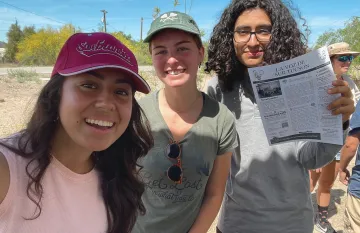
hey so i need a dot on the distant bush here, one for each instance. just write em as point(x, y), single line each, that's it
point(22, 75)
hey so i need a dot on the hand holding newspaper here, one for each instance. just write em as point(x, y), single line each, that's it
point(292, 99)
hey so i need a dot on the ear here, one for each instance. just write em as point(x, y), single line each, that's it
point(150, 48)
point(202, 53)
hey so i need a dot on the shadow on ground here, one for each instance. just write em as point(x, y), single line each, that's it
point(337, 196)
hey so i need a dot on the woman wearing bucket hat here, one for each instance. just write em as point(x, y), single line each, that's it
point(73, 168)
point(268, 186)
point(341, 57)
point(185, 172)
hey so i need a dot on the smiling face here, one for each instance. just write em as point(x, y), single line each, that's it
point(176, 57)
point(251, 53)
point(95, 108)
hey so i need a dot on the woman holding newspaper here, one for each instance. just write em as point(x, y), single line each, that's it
point(268, 186)
point(341, 57)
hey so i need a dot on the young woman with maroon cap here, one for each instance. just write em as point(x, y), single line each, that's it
point(73, 168)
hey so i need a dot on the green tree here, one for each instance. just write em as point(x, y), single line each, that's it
point(176, 3)
point(28, 31)
point(202, 33)
point(14, 36)
point(156, 12)
point(142, 53)
point(328, 37)
point(43, 47)
point(350, 34)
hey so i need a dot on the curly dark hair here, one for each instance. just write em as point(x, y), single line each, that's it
point(287, 41)
point(117, 165)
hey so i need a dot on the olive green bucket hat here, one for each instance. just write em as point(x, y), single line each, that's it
point(173, 20)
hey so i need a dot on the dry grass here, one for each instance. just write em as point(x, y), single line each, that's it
point(19, 90)
point(7, 65)
point(18, 102)
point(22, 75)
point(354, 72)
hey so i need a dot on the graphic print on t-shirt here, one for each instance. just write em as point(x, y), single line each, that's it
point(195, 176)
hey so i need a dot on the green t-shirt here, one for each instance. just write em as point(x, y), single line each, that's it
point(171, 207)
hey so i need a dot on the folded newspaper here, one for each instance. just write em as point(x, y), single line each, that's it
point(292, 98)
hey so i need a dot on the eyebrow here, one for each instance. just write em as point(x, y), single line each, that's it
point(177, 44)
point(96, 75)
point(257, 26)
point(99, 76)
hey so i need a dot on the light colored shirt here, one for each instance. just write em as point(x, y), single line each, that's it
point(354, 181)
point(354, 89)
point(71, 202)
point(171, 207)
point(268, 186)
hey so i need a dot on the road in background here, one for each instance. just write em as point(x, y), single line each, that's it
point(48, 69)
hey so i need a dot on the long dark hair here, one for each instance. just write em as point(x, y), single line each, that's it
point(287, 41)
point(117, 165)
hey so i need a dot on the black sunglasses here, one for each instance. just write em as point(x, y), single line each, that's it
point(173, 151)
point(345, 58)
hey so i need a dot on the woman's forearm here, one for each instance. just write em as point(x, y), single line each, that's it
point(208, 212)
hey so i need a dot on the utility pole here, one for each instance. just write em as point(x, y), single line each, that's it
point(141, 28)
point(104, 11)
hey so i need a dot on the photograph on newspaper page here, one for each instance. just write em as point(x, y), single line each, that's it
point(292, 99)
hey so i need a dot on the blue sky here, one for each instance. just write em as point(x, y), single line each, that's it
point(124, 15)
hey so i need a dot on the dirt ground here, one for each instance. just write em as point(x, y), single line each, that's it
point(17, 101)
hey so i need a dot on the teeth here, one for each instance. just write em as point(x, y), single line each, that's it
point(175, 72)
point(100, 123)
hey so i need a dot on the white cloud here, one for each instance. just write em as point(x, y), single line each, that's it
point(325, 21)
point(320, 24)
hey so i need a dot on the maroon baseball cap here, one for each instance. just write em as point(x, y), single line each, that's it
point(84, 52)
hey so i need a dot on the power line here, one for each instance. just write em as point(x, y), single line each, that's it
point(89, 28)
point(104, 18)
point(113, 28)
point(191, 3)
point(32, 12)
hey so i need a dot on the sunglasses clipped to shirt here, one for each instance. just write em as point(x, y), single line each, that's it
point(174, 172)
point(345, 58)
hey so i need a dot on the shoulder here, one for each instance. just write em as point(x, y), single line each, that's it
point(355, 119)
point(4, 176)
point(348, 79)
point(219, 110)
point(12, 171)
point(12, 167)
